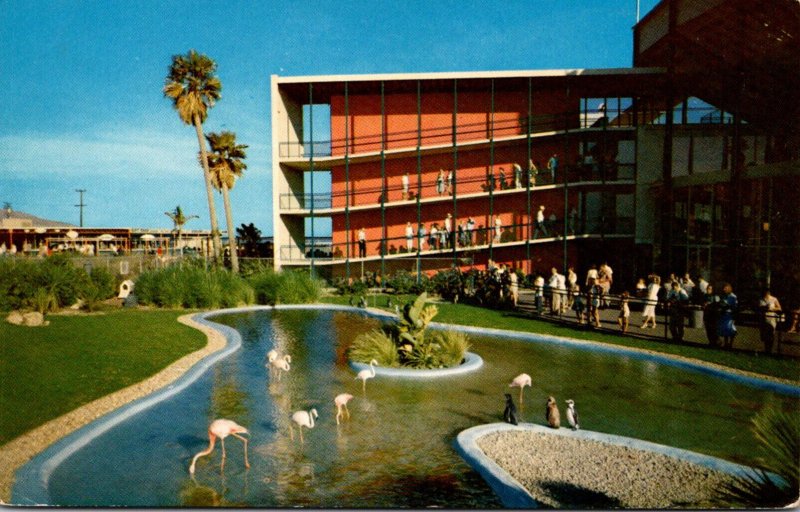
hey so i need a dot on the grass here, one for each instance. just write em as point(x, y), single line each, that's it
point(48, 371)
point(462, 314)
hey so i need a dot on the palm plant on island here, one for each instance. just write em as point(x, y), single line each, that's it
point(407, 342)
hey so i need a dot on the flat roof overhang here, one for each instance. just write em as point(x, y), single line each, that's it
point(597, 82)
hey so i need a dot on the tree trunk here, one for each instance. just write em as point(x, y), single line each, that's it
point(231, 233)
point(212, 209)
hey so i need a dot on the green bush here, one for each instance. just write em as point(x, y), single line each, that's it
point(287, 287)
point(402, 282)
point(192, 286)
point(377, 345)
point(47, 284)
point(452, 346)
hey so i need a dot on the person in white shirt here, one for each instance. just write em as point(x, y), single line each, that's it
point(540, 226)
point(404, 181)
point(362, 243)
point(498, 229)
point(557, 285)
point(448, 230)
point(771, 311)
point(538, 293)
point(409, 237)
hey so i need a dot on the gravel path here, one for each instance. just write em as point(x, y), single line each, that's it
point(20, 450)
point(564, 472)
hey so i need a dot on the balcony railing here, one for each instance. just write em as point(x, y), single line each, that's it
point(480, 238)
point(371, 196)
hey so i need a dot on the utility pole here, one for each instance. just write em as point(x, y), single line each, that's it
point(81, 205)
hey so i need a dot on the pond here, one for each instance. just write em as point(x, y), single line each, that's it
point(397, 449)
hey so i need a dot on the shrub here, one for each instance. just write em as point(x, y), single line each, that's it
point(374, 344)
point(452, 346)
point(42, 284)
point(449, 284)
point(287, 287)
point(402, 282)
point(192, 286)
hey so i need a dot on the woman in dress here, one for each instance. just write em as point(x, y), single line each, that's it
point(649, 312)
point(711, 303)
point(728, 306)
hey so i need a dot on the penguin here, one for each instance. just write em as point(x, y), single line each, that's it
point(551, 413)
point(572, 415)
point(510, 413)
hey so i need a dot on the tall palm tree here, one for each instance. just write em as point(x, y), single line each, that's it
point(250, 236)
point(225, 162)
point(194, 89)
point(179, 219)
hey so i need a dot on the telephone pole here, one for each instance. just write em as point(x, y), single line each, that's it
point(81, 205)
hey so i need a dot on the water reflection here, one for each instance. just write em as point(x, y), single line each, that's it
point(396, 449)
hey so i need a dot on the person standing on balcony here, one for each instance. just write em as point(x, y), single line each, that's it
point(422, 234)
point(470, 229)
point(498, 229)
point(409, 237)
point(502, 179)
point(435, 236)
point(517, 175)
point(533, 171)
point(404, 181)
point(440, 182)
point(362, 243)
point(540, 223)
point(573, 221)
point(448, 231)
point(552, 166)
point(448, 183)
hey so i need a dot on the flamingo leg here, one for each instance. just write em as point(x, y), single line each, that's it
point(520, 397)
point(338, 413)
point(291, 432)
point(301, 434)
point(364, 385)
point(222, 442)
point(244, 440)
point(347, 411)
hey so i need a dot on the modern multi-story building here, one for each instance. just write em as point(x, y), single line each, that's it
point(685, 162)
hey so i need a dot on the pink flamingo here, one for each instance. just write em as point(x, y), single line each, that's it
point(303, 419)
point(521, 380)
point(272, 355)
point(282, 364)
point(367, 374)
point(341, 405)
point(222, 429)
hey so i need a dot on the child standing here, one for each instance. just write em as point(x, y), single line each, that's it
point(624, 312)
point(578, 304)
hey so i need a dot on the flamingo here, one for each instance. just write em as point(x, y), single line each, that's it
point(272, 355)
point(282, 364)
point(222, 429)
point(341, 403)
point(520, 381)
point(303, 419)
point(367, 374)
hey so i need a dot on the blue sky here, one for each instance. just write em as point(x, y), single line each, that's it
point(83, 106)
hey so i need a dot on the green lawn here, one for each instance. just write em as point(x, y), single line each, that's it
point(48, 371)
point(461, 314)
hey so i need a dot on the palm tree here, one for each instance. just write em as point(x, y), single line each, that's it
point(251, 236)
point(194, 89)
point(225, 162)
point(178, 220)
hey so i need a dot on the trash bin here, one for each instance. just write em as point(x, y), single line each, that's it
point(696, 317)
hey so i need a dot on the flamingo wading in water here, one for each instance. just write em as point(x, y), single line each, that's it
point(341, 405)
point(520, 381)
point(367, 374)
point(272, 355)
point(303, 419)
point(222, 429)
point(281, 364)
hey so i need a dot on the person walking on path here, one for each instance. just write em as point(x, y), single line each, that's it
point(540, 226)
point(538, 293)
point(624, 312)
point(552, 166)
point(649, 311)
point(362, 243)
point(677, 299)
point(409, 237)
point(593, 294)
point(728, 306)
point(711, 308)
point(771, 311)
point(557, 286)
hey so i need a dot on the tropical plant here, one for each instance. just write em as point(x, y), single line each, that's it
point(225, 163)
point(179, 219)
point(191, 286)
point(775, 482)
point(377, 345)
point(194, 88)
point(251, 237)
point(286, 287)
point(449, 284)
point(409, 342)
